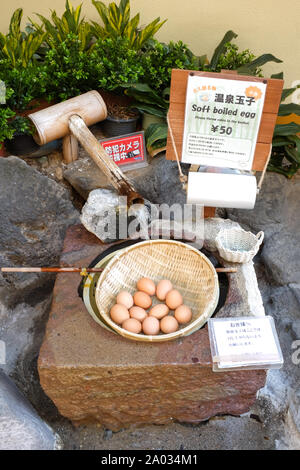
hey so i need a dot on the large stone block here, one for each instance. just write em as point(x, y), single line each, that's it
point(93, 375)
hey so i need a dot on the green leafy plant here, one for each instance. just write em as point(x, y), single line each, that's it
point(285, 157)
point(26, 84)
point(19, 48)
point(113, 64)
point(66, 69)
point(6, 130)
point(158, 60)
point(60, 29)
point(117, 23)
point(147, 100)
point(232, 59)
point(70, 71)
point(226, 56)
point(21, 125)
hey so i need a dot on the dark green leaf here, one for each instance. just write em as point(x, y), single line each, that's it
point(278, 76)
point(286, 109)
point(220, 48)
point(150, 109)
point(256, 63)
point(286, 129)
point(287, 92)
point(155, 132)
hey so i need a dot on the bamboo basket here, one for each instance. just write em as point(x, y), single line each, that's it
point(238, 246)
point(188, 269)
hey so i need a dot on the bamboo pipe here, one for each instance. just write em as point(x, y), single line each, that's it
point(79, 270)
point(103, 161)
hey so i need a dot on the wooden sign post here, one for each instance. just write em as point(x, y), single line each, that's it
point(179, 82)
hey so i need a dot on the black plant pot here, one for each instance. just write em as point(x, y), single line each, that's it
point(113, 127)
point(21, 144)
point(25, 145)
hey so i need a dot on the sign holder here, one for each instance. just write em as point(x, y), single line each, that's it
point(244, 343)
point(127, 151)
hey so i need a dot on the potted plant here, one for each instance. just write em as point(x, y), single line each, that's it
point(154, 108)
point(285, 157)
point(118, 24)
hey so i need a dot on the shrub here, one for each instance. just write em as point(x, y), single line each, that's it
point(113, 64)
point(232, 59)
point(117, 23)
point(159, 59)
point(25, 84)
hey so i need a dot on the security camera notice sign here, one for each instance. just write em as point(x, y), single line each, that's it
point(222, 119)
point(244, 342)
point(127, 151)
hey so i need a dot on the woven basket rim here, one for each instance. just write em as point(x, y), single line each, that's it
point(191, 327)
point(221, 246)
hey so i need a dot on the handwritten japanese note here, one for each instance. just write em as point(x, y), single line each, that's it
point(244, 342)
point(222, 119)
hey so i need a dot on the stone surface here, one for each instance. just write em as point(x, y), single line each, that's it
point(34, 214)
point(276, 213)
point(22, 330)
point(92, 374)
point(20, 426)
point(158, 182)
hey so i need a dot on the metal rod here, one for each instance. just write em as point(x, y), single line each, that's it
point(226, 270)
point(79, 270)
point(50, 270)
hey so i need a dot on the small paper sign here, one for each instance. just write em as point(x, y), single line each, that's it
point(127, 151)
point(244, 342)
point(222, 119)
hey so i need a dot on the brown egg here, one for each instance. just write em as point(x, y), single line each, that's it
point(183, 314)
point(163, 287)
point(150, 326)
point(159, 311)
point(125, 298)
point(173, 299)
point(132, 325)
point(146, 285)
point(168, 324)
point(138, 313)
point(141, 299)
point(119, 313)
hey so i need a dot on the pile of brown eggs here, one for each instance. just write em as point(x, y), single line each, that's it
point(130, 311)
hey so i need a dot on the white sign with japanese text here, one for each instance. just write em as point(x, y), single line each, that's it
point(244, 342)
point(222, 119)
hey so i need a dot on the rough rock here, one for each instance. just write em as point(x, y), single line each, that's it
point(22, 330)
point(20, 426)
point(158, 182)
point(276, 213)
point(105, 214)
point(34, 214)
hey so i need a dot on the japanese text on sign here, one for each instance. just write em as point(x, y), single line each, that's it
point(222, 119)
point(244, 341)
point(127, 149)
